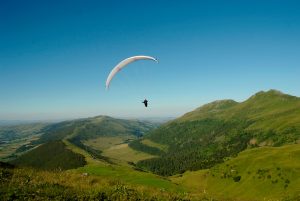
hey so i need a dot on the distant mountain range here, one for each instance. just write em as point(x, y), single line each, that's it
point(77, 131)
point(15, 122)
point(212, 132)
point(4, 122)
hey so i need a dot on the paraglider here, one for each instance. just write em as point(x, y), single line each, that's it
point(145, 102)
point(124, 63)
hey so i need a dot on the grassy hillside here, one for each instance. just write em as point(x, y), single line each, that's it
point(29, 184)
point(204, 137)
point(123, 153)
point(269, 115)
point(103, 126)
point(116, 149)
point(121, 171)
point(51, 156)
point(62, 155)
point(266, 173)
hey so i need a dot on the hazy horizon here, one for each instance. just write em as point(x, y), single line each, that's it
point(78, 116)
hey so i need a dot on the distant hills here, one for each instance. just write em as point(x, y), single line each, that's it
point(8, 133)
point(209, 134)
point(15, 122)
point(76, 132)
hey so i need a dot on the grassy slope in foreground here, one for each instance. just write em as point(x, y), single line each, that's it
point(267, 173)
point(29, 184)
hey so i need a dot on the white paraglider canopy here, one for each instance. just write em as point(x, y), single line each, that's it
point(124, 63)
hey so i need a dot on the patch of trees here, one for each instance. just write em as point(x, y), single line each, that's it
point(137, 145)
point(194, 145)
point(51, 156)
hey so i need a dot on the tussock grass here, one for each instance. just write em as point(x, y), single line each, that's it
point(29, 184)
point(266, 173)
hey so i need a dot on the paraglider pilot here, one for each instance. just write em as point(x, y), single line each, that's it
point(145, 102)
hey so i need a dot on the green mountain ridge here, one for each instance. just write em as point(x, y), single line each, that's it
point(95, 126)
point(207, 135)
point(208, 110)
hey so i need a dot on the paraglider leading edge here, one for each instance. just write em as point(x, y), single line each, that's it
point(124, 63)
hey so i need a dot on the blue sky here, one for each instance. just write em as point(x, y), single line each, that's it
point(55, 55)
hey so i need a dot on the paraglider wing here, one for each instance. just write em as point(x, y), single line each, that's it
point(124, 63)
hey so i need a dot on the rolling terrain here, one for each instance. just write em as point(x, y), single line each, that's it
point(224, 150)
point(85, 134)
point(206, 136)
point(57, 150)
